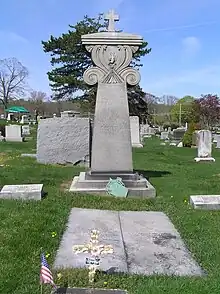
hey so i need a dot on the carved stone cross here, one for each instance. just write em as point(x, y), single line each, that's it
point(111, 16)
point(95, 249)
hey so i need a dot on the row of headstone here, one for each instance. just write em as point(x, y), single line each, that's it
point(15, 133)
point(146, 130)
point(10, 116)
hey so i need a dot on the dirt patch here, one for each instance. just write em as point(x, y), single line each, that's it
point(65, 186)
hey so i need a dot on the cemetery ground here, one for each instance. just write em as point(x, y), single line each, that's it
point(26, 227)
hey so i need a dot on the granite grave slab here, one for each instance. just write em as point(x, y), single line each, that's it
point(144, 243)
point(208, 202)
point(24, 192)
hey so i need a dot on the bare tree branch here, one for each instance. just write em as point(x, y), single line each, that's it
point(13, 77)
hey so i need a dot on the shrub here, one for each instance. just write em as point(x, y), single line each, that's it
point(187, 138)
point(170, 125)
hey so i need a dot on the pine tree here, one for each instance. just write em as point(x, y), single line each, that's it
point(70, 59)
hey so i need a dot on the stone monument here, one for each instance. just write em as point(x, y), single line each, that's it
point(135, 132)
point(111, 53)
point(204, 146)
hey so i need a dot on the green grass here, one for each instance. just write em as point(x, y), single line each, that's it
point(26, 227)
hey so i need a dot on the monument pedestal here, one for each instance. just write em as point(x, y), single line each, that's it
point(95, 183)
point(136, 145)
point(111, 155)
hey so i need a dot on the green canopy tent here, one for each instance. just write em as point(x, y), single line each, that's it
point(17, 109)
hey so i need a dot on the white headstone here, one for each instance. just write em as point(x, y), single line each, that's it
point(164, 135)
point(24, 192)
point(24, 119)
point(26, 130)
point(217, 138)
point(209, 202)
point(135, 131)
point(13, 133)
point(9, 116)
point(204, 146)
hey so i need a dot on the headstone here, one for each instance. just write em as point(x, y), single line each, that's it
point(24, 192)
point(25, 130)
point(54, 115)
point(135, 132)
point(10, 116)
point(87, 291)
point(24, 119)
point(62, 140)
point(217, 141)
point(164, 136)
point(180, 144)
point(111, 53)
point(204, 146)
point(178, 134)
point(13, 133)
point(209, 202)
point(70, 113)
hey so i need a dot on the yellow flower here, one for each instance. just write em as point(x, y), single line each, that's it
point(53, 234)
point(185, 201)
point(47, 255)
point(59, 276)
point(105, 283)
point(171, 196)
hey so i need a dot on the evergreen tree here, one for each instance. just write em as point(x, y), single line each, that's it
point(70, 59)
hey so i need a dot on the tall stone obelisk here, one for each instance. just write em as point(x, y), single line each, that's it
point(111, 53)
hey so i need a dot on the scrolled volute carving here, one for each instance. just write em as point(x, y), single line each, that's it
point(112, 65)
point(131, 76)
point(92, 75)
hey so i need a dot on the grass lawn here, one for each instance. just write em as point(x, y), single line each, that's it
point(26, 227)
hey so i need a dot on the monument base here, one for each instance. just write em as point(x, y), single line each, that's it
point(95, 183)
point(14, 139)
point(137, 145)
point(204, 159)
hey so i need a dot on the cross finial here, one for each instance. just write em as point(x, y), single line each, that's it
point(111, 16)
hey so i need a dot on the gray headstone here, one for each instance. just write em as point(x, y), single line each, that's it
point(208, 202)
point(26, 130)
point(24, 192)
point(135, 131)
point(217, 137)
point(62, 140)
point(205, 143)
point(112, 73)
point(143, 242)
point(13, 133)
point(87, 291)
point(204, 146)
point(164, 135)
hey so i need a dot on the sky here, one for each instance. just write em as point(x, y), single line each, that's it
point(183, 35)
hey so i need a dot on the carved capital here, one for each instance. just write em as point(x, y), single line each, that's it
point(112, 65)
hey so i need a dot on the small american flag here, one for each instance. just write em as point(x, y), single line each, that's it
point(45, 273)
